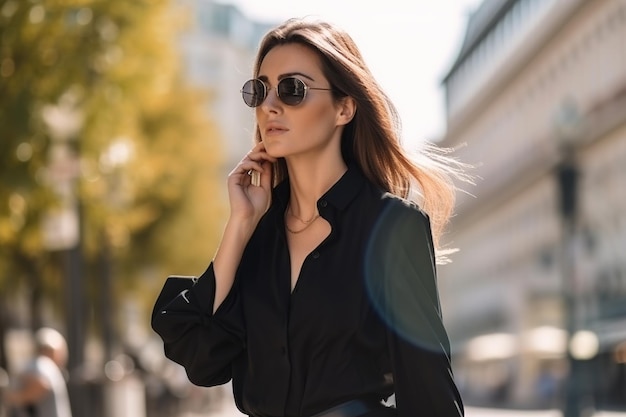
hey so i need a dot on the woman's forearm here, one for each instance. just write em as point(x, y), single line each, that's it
point(228, 255)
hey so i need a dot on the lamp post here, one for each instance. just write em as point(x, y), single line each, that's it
point(567, 175)
point(567, 178)
point(62, 230)
point(112, 162)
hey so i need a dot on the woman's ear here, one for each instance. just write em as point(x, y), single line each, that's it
point(347, 110)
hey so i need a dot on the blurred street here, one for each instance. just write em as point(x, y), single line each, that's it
point(228, 409)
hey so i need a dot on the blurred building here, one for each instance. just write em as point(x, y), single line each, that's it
point(537, 83)
point(219, 47)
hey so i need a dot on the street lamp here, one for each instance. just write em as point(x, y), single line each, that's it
point(62, 225)
point(112, 162)
point(568, 123)
point(62, 228)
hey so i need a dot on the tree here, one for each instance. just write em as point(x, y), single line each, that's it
point(145, 153)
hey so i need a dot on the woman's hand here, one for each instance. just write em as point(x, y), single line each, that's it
point(248, 202)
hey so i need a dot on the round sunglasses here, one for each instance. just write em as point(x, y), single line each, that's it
point(290, 90)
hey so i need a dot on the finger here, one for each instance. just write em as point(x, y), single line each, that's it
point(249, 165)
point(258, 150)
point(260, 156)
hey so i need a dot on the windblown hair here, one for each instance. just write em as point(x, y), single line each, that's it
point(372, 138)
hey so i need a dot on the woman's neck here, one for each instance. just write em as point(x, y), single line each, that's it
point(308, 181)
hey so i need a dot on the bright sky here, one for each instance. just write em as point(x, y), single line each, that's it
point(408, 44)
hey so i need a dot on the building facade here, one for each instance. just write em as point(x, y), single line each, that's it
point(539, 86)
point(218, 50)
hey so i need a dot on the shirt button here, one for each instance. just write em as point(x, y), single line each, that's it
point(283, 350)
point(323, 203)
point(315, 255)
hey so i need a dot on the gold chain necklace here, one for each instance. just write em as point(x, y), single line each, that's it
point(304, 228)
point(311, 220)
point(307, 223)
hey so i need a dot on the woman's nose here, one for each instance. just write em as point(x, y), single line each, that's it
point(272, 101)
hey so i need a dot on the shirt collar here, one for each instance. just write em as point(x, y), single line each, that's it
point(339, 195)
point(345, 189)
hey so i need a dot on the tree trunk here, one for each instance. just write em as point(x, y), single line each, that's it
point(33, 276)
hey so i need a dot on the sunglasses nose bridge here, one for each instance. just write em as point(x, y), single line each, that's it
point(272, 99)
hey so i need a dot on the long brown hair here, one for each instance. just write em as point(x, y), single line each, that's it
point(372, 138)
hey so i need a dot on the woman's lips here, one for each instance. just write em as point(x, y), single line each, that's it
point(273, 129)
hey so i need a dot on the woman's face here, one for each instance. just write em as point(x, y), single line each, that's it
point(309, 127)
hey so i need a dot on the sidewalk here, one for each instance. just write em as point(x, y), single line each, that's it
point(228, 409)
point(492, 412)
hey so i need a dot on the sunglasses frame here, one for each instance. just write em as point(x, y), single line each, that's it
point(266, 89)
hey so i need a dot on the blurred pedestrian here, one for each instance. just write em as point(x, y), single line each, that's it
point(40, 389)
point(322, 297)
point(547, 387)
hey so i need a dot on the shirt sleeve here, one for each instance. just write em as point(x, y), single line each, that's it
point(401, 271)
point(205, 344)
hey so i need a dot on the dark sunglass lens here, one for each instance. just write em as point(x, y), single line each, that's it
point(291, 91)
point(253, 92)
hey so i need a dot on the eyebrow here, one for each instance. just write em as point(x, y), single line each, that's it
point(288, 74)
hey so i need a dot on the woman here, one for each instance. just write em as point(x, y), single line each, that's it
point(321, 299)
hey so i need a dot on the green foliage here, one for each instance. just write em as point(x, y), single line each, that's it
point(149, 156)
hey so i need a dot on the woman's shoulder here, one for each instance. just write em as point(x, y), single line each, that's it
point(399, 206)
point(392, 206)
point(401, 223)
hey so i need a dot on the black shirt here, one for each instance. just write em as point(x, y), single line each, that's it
point(363, 320)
